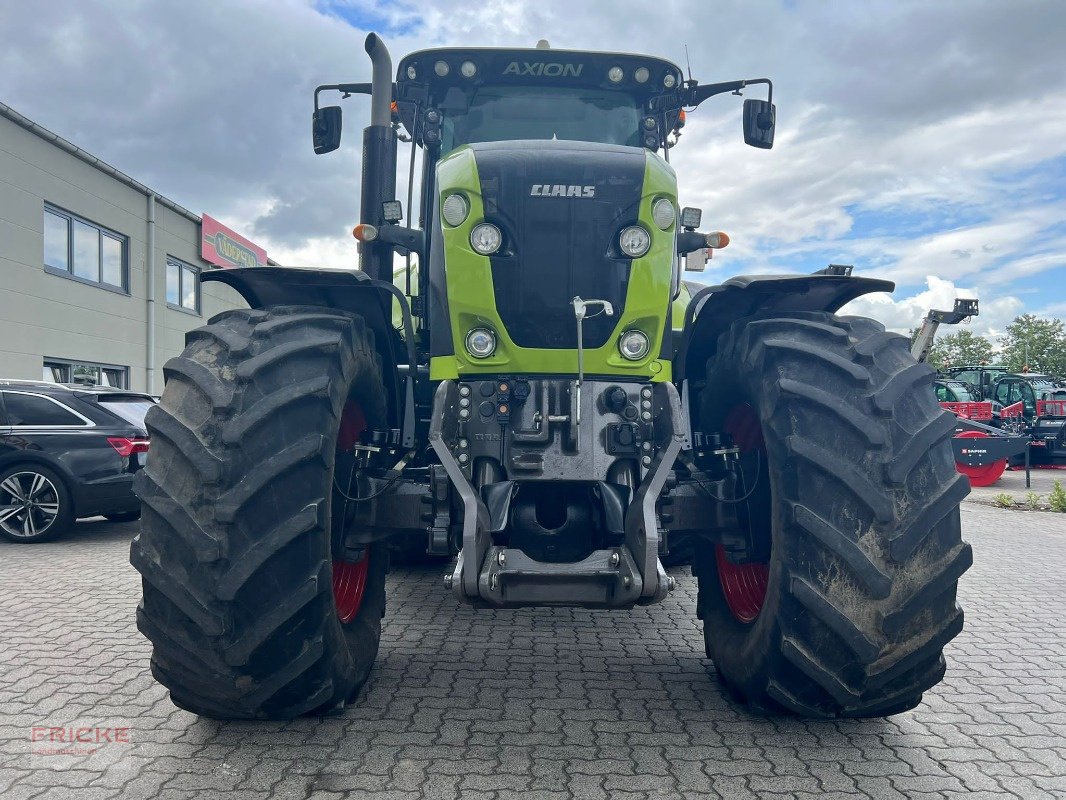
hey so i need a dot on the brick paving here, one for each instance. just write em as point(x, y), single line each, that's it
point(533, 703)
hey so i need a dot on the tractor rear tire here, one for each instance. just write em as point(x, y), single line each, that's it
point(857, 505)
point(250, 612)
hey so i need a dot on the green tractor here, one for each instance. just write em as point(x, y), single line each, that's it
point(538, 414)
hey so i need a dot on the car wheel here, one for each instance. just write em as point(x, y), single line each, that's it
point(35, 504)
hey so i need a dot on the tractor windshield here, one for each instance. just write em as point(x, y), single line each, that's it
point(544, 112)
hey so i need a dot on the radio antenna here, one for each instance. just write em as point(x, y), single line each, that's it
point(688, 63)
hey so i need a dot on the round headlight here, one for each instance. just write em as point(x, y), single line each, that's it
point(468, 69)
point(486, 238)
point(481, 343)
point(669, 80)
point(412, 73)
point(634, 345)
point(455, 209)
point(641, 75)
point(662, 211)
point(615, 74)
point(634, 241)
point(441, 68)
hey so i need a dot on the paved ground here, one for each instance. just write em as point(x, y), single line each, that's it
point(530, 704)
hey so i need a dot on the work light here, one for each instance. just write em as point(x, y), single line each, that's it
point(662, 211)
point(641, 75)
point(468, 69)
point(455, 209)
point(615, 74)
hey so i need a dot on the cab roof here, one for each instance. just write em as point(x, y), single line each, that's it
point(419, 78)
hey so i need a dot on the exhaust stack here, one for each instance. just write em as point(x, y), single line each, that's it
point(379, 161)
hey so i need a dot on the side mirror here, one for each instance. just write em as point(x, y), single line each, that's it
point(760, 117)
point(326, 129)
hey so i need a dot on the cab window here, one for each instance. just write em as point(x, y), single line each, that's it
point(943, 394)
point(1028, 398)
point(1003, 393)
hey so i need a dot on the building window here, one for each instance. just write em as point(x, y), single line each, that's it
point(183, 286)
point(84, 250)
point(62, 371)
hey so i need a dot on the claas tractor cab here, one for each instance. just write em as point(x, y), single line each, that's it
point(550, 413)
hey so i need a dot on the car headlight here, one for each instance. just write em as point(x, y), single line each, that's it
point(634, 241)
point(634, 345)
point(662, 211)
point(455, 209)
point(486, 238)
point(481, 343)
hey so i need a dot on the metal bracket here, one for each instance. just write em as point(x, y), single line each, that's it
point(476, 538)
point(642, 520)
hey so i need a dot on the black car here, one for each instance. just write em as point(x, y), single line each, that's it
point(67, 451)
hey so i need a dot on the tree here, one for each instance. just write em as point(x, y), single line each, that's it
point(960, 348)
point(1043, 339)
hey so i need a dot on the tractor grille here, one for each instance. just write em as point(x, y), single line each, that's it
point(560, 242)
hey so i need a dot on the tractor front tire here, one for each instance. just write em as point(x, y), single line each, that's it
point(250, 611)
point(855, 510)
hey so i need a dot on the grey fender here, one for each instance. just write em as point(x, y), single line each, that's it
point(346, 291)
point(714, 309)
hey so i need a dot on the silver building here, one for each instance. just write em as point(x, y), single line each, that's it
point(99, 271)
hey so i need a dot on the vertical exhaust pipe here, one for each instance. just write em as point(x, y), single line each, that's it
point(379, 161)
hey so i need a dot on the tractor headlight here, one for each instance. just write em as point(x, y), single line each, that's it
point(455, 209)
point(442, 69)
point(641, 75)
point(634, 345)
point(615, 74)
point(662, 211)
point(634, 241)
point(468, 69)
point(481, 343)
point(486, 238)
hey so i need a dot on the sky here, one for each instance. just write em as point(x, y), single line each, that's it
point(921, 142)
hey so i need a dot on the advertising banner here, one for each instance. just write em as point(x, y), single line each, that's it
point(219, 245)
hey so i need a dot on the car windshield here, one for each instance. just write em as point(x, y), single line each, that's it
point(131, 409)
point(498, 114)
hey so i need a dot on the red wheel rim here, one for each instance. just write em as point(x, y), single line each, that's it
point(743, 585)
point(985, 474)
point(349, 577)
point(349, 585)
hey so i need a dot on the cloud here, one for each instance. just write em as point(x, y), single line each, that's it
point(914, 138)
point(901, 315)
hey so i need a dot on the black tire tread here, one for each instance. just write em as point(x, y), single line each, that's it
point(870, 541)
point(234, 551)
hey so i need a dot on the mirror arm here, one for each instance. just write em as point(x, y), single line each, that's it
point(410, 239)
point(697, 94)
point(689, 242)
point(346, 88)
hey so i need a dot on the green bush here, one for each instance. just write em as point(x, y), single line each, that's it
point(1004, 500)
point(1032, 499)
point(1057, 498)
